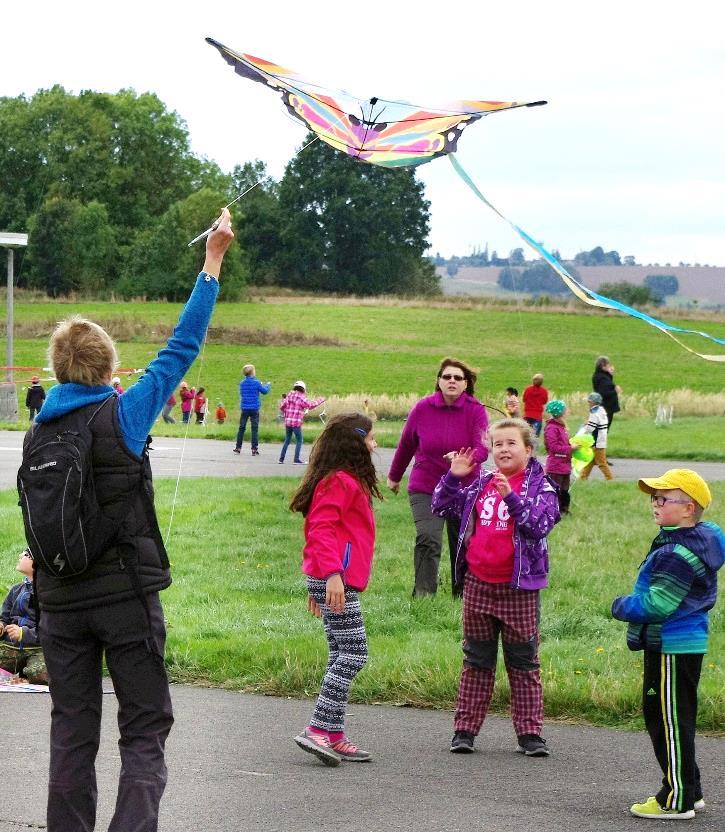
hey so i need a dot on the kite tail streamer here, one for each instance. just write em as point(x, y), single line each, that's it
point(580, 290)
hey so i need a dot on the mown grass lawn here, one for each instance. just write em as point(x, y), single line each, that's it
point(237, 615)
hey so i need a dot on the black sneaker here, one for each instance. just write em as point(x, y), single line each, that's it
point(532, 745)
point(462, 742)
point(237, 450)
point(255, 452)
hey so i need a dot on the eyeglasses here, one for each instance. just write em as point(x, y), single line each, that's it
point(450, 376)
point(659, 501)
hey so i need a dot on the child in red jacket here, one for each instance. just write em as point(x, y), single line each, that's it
point(335, 498)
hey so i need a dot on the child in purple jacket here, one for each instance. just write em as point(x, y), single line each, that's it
point(502, 552)
point(558, 452)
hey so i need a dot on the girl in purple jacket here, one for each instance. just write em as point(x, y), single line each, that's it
point(502, 554)
point(558, 452)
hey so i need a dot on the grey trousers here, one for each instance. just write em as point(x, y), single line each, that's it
point(428, 543)
point(74, 643)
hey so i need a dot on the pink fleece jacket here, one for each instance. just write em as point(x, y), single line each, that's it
point(432, 430)
point(340, 531)
point(558, 449)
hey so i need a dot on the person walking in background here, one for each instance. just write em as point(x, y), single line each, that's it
point(505, 517)
point(558, 452)
point(116, 384)
point(435, 428)
point(186, 394)
point(603, 383)
point(220, 413)
point(667, 614)
point(200, 403)
point(34, 398)
point(168, 407)
point(335, 498)
point(250, 389)
point(294, 406)
point(511, 403)
point(597, 425)
point(535, 397)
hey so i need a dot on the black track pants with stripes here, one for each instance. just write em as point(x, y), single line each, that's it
point(669, 703)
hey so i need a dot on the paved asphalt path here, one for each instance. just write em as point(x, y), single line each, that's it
point(233, 766)
point(212, 458)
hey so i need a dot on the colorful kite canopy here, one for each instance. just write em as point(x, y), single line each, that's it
point(387, 133)
point(399, 134)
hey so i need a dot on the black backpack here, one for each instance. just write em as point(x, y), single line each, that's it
point(64, 526)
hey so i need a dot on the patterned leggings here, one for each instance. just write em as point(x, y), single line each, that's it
point(348, 648)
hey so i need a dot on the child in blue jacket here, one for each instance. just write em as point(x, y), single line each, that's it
point(667, 615)
point(20, 650)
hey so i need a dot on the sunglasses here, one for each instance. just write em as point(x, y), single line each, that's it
point(450, 376)
point(660, 501)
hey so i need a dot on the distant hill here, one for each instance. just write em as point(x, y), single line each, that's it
point(704, 285)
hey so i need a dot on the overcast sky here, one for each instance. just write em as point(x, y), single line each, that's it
point(628, 154)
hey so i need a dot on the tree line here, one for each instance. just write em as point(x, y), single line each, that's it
point(110, 193)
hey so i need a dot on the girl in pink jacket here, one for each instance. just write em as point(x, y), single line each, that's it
point(558, 452)
point(335, 498)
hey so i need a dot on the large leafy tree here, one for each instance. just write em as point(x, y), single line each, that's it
point(259, 230)
point(352, 228)
point(162, 265)
point(71, 247)
point(123, 150)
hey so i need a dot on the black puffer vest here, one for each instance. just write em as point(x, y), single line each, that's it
point(117, 473)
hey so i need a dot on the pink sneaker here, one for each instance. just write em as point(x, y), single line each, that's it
point(349, 751)
point(319, 745)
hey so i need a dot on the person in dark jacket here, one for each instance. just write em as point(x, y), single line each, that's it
point(603, 383)
point(105, 611)
point(20, 650)
point(34, 398)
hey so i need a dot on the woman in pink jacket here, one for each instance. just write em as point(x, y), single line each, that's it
point(558, 452)
point(435, 429)
point(335, 498)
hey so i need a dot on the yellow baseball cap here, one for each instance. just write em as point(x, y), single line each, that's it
point(689, 482)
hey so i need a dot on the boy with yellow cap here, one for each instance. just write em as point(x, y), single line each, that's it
point(667, 615)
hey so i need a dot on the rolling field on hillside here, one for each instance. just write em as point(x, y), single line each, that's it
point(395, 350)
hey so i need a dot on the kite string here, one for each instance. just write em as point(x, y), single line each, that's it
point(183, 444)
point(198, 375)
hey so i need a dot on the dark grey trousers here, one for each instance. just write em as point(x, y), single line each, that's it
point(428, 543)
point(74, 643)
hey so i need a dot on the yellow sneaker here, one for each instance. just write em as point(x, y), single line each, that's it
point(652, 809)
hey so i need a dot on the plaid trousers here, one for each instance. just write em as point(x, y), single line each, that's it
point(490, 609)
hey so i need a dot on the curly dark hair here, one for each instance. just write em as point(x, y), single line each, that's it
point(340, 447)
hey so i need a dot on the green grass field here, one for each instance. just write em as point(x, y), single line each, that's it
point(394, 350)
point(237, 615)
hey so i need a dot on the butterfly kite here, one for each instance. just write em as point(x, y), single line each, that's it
point(397, 134)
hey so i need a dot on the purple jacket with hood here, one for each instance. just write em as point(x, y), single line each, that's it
point(535, 512)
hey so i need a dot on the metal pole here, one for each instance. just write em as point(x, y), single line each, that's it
point(9, 355)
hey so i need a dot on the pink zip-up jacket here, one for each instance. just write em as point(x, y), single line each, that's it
point(558, 449)
point(340, 531)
